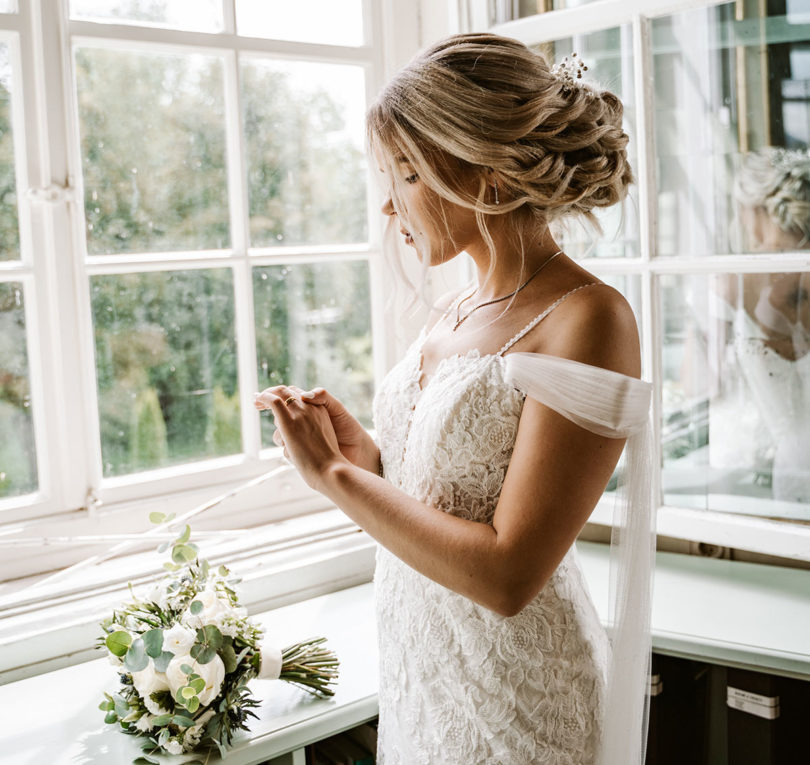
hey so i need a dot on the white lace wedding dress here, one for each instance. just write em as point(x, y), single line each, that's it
point(459, 684)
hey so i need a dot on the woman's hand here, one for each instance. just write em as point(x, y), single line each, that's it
point(304, 430)
point(355, 444)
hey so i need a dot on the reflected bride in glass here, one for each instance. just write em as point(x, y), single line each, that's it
point(501, 426)
point(768, 314)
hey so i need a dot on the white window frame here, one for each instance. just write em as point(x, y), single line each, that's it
point(776, 538)
point(73, 498)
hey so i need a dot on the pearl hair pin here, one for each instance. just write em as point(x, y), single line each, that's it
point(569, 72)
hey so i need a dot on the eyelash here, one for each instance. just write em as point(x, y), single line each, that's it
point(412, 178)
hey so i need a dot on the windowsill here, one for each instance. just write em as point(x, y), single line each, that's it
point(704, 609)
point(289, 561)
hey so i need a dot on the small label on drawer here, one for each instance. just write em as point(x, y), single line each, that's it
point(766, 707)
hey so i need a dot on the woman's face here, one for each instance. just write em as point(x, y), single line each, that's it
point(430, 224)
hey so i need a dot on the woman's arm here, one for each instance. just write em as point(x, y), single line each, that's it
point(555, 477)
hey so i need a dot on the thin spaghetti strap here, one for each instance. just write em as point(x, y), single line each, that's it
point(537, 319)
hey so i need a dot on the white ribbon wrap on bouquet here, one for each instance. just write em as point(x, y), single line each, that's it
point(271, 662)
point(616, 406)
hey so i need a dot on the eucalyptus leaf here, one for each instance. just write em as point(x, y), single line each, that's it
point(170, 566)
point(211, 636)
point(223, 571)
point(153, 640)
point(183, 538)
point(183, 553)
point(163, 546)
point(145, 761)
point(203, 653)
point(118, 642)
point(157, 517)
point(193, 704)
point(121, 705)
point(205, 569)
point(136, 658)
point(106, 706)
point(186, 669)
point(195, 607)
point(228, 656)
point(183, 721)
point(110, 718)
point(197, 685)
point(161, 720)
point(162, 662)
point(188, 692)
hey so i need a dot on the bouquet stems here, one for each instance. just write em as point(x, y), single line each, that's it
point(310, 666)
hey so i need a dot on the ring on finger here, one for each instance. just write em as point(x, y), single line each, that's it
point(290, 398)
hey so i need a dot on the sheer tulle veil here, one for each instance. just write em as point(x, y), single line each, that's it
point(615, 406)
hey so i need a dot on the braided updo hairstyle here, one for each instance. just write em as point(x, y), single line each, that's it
point(778, 180)
point(488, 105)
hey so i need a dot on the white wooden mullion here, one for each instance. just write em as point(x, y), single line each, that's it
point(229, 17)
point(242, 271)
point(116, 36)
point(11, 21)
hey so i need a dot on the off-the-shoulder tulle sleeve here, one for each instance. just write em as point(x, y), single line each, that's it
point(616, 406)
point(599, 400)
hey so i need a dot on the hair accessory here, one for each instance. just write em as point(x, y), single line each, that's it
point(497, 201)
point(461, 319)
point(569, 73)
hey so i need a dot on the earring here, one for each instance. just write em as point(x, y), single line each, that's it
point(497, 201)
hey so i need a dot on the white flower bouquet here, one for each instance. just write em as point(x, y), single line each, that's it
point(186, 651)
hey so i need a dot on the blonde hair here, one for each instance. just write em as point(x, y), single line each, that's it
point(487, 107)
point(777, 180)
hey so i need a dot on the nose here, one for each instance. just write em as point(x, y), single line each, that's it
point(388, 206)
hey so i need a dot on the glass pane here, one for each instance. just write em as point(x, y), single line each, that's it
point(166, 366)
point(9, 229)
point(306, 166)
point(736, 393)
point(608, 55)
point(730, 83)
point(18, 459)
point(194, 15)
point(313, 328)
point(335, 22)
point(500, 13)
point(153, 151)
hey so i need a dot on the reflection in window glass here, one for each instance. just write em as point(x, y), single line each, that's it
point(304, 142)
point(313, 328)
point(9, 230)
point(18, 464)
point(193, 15)
point(335, 22)
point(736, 385)
point(608, 56)
point(153, 151)
point(166, 367)
point(726, 87)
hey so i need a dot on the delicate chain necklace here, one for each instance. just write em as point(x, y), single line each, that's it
point(461, 319)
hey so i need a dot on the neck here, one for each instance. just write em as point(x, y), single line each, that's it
point(510, 270)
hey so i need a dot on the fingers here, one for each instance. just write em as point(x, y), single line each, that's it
point(324, 398)
point(287, 394)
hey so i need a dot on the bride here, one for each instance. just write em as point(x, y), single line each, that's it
point(500, 428)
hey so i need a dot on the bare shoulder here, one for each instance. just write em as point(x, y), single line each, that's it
point(595, 325)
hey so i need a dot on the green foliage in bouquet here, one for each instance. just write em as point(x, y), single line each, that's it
point(186, 651)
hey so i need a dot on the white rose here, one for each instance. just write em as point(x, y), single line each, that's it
point(212, 673)
point(147, 681)
point(213, 607)
point(173, 747)
point(178, 639)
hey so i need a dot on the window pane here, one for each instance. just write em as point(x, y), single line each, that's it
point(306, 166)
point(313, 328)
point(609, 57)
point(336, 22)
point(500, 13)
point(153, 151)
point(727, 87)
point(8, 6)
point(18, 462)
point(9, 230)
point(736, 405)
point(194, 15)
point(166, 365)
